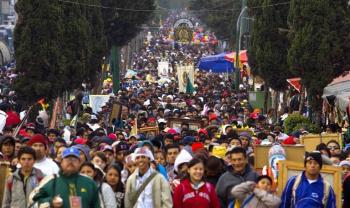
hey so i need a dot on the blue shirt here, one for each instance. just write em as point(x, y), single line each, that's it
point(306, 195)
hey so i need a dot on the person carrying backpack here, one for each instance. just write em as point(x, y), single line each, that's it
point(309, 189)
point(23, 181)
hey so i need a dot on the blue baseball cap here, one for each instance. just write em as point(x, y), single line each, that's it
point(71, 151)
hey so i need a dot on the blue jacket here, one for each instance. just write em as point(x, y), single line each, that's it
point(306, 195)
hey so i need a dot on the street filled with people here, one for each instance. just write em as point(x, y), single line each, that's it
point(167, 147)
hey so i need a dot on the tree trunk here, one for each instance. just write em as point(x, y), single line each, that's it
point(301, 99)
point(275, 113)
point(266, 98)
point(114, 65)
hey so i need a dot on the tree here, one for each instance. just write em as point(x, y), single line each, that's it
point(320, 44)
point(58, 46)
point(268, 52)
point(122, 25)
point(76, 44)
point(222, 23)
point(38, 45)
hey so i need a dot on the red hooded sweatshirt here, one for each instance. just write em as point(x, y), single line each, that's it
point(204, 197)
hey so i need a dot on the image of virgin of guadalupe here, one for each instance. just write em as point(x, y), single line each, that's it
point(185, 79)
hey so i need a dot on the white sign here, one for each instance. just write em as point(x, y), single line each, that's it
point(97, 101)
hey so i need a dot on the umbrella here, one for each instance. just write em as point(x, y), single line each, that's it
point(216, 64)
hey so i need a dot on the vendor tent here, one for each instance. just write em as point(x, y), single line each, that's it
point(216, 64)
point(338, 91)
point(243, 57)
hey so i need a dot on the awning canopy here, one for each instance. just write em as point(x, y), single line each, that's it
point(216, 64)
point(243, 57)
point(339, 91)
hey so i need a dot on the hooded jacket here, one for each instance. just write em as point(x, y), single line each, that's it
point(229, 180)
point(259, 198)
point(16, 193)
point(306, 195)
point(186, 195)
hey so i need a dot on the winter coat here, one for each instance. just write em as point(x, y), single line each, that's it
point(186, 196)
point(306, 195)
point(52, 186)
point(229, 180)
point(161, 196)
point(16, 193)
point(255, 198)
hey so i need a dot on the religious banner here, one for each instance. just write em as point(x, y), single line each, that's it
point(185, 75)
point(163, 69)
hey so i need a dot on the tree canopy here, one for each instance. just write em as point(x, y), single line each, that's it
point(60, 45)
point(123, 25)
point(268, 50)
point(320, 43)
point(222, 23)
point(38, 50)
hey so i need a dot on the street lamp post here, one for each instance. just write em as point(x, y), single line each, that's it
point(238, 40)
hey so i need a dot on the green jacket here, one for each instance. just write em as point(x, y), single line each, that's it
point(69, 185)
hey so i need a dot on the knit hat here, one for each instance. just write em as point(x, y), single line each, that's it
point(245, 135)
point(37, 138)
point(183, 157)
point(313, 156)
point(262, 177)
point(188, 140)
point(112, 136)
point(80, 141)
point(144, 151)
point(213, 116)
point(197, 146)
point(106, 140)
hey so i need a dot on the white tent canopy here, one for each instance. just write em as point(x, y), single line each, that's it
point(340, 89)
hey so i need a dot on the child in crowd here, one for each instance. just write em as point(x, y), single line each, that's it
point(105, 191)
point(113, 178)
point(256, 195)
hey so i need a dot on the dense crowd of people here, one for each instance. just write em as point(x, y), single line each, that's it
point(103, 162)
